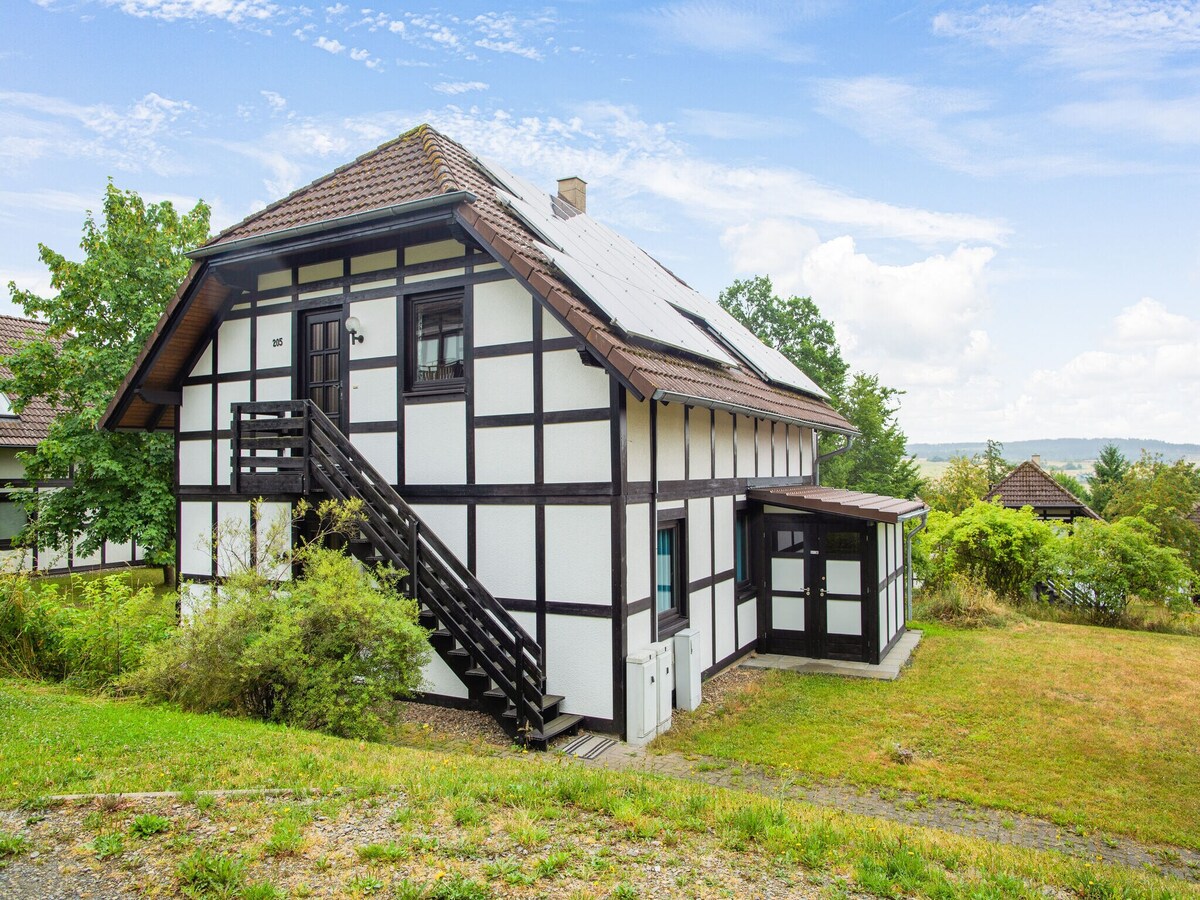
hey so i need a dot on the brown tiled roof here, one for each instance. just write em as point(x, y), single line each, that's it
point(1194, 518)
point(423, 163)
point(34, 422)
point(1031, 485)
point(840, 502)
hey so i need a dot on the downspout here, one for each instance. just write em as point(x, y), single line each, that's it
point(830, 455)
point(908, 569)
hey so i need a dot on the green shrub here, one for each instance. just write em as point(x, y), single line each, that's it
point(1105, 565)
point(1008, 550)
point(323, 652)
point(88, 635)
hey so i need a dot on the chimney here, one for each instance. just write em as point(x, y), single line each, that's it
point(574, 191)
point(1037, 459)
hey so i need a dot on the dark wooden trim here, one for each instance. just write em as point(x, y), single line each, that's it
point(375, 362)
point(618, 437)
point(452, 394)
point(371, 428)
point(548, 417)
point(543, 607)
point(521, 348)
point(728, 661)
point(637, 606)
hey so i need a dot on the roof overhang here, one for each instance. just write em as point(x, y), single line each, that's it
point(709, 403)
point(841, 502)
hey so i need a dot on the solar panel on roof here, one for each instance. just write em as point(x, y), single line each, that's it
point(636, 292)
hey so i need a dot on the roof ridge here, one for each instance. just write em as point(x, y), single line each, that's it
point(431, 143)
point(317, 181)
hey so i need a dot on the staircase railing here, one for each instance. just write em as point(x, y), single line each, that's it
point(291, 447)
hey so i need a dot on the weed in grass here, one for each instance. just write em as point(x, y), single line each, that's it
point(211, 874)
point(108, 845)
point(261, 890)
point(553, 864)
point(424, 843)
point(816, 846)
point(94, 820)
point(148, 825)
point(456, 887)
point(206, 803)
point(510, 872)
point(322, 863)
point(525, 830)
point(390, 852)
point(624, 891)
point(12, 844)
point(287, 839)
point(301, 890)
point(365, 885)
point(407, 889)
point(402, 816)
point(894, 870)
point(467, 814)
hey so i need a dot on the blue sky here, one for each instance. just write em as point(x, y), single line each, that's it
point(997, 204)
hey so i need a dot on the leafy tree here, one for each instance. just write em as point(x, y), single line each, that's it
point(1113, 562)
point(104, 308)
point(994, 462)
point(1110, 470)
point(1164, 495)
point(794, 327)
point(963, 482)
point(1009, 550)
point(1072, 484)
point(878, 460)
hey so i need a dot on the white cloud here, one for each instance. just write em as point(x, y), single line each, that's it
point(723, 28)
point(1096, 37)
point(459, 87)
point(1168, 121)
point(276, 101)
point(236, 12)
point(131, 138)
point(332, 45)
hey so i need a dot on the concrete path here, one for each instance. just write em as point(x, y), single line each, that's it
point(996, 825)
point(888, 669)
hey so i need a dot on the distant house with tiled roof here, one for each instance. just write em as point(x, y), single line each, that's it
point(586, 465)
point(23, 432)
point(1031, 485)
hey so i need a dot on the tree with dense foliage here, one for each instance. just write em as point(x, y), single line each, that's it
point(794, 327)
point(1164, 494)
point(103, 309)
point(963, 482)
point(1113, 562)
point(1072, 484)
point(994, 462)
point(877, 461)
point(1110, 470)
point(1009, 550)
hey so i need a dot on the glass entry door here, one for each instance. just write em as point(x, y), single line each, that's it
point(323, 363)
point(843, 582)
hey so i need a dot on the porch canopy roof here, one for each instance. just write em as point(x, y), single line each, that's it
point(840, 502)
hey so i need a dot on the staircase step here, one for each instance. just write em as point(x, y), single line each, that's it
point(477, 673)
point(555, 727)
point(547, 701)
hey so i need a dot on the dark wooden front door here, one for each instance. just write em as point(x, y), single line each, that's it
point(816, 581)
point(324, 364)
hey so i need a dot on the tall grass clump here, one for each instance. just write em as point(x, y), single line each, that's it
point(962, 602)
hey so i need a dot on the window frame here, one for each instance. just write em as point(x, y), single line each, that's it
point(675, 617)
point(744, 587)
point(436, 385)
point(8, 543)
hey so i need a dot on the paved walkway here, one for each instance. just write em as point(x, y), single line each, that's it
point(1000, 826)
point(888, 669)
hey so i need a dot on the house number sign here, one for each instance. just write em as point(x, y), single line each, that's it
point(276, 342)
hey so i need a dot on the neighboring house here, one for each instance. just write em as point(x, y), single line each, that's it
point(593, 458)
point(1031, 485)
point(22, 432)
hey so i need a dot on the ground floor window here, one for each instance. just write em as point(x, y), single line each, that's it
point(12, 521)
point(671, 584)
point(741, 550)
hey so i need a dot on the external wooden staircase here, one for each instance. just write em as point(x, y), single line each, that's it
point(291, 448)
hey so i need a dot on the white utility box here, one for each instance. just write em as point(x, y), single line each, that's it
point(641, 697)
point(687, 669)
point(665, 659)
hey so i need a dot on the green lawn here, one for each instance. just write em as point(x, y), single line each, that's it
point(1090, 727)
point(492, 813)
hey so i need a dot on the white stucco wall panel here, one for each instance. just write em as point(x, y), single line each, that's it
point(233, 346)
point(435, 443)
point(579, 554)
point(380, 450)
point(569, 384)
point(449, 523)
point(273, 341)
point(637, 446)
point(724, 441)
point(724, 624)
point(506, 550)
point(699, 539)
point(228, 393)
point(745, 447)
point(577, 452)
point(504, 455)
point(670, 442)
point(723, 533)
point(195, 538)
point(503, 313)
point(196, 412)
point(440, 679)
point(373, 395)
point(637, 552)
point(195, 462)
point(579, 664)
point(747, 623)
point(378, 320)
point(504, 385)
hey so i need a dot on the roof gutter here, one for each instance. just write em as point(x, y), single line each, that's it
point(689, 400)
point(399, 209)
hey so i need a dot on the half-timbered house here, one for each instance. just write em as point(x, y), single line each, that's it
point(577, 457)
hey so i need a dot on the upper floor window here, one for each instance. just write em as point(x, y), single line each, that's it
point(436, 340)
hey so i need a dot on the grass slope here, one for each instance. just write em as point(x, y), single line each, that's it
point(1089, 727)
point(630, 825)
